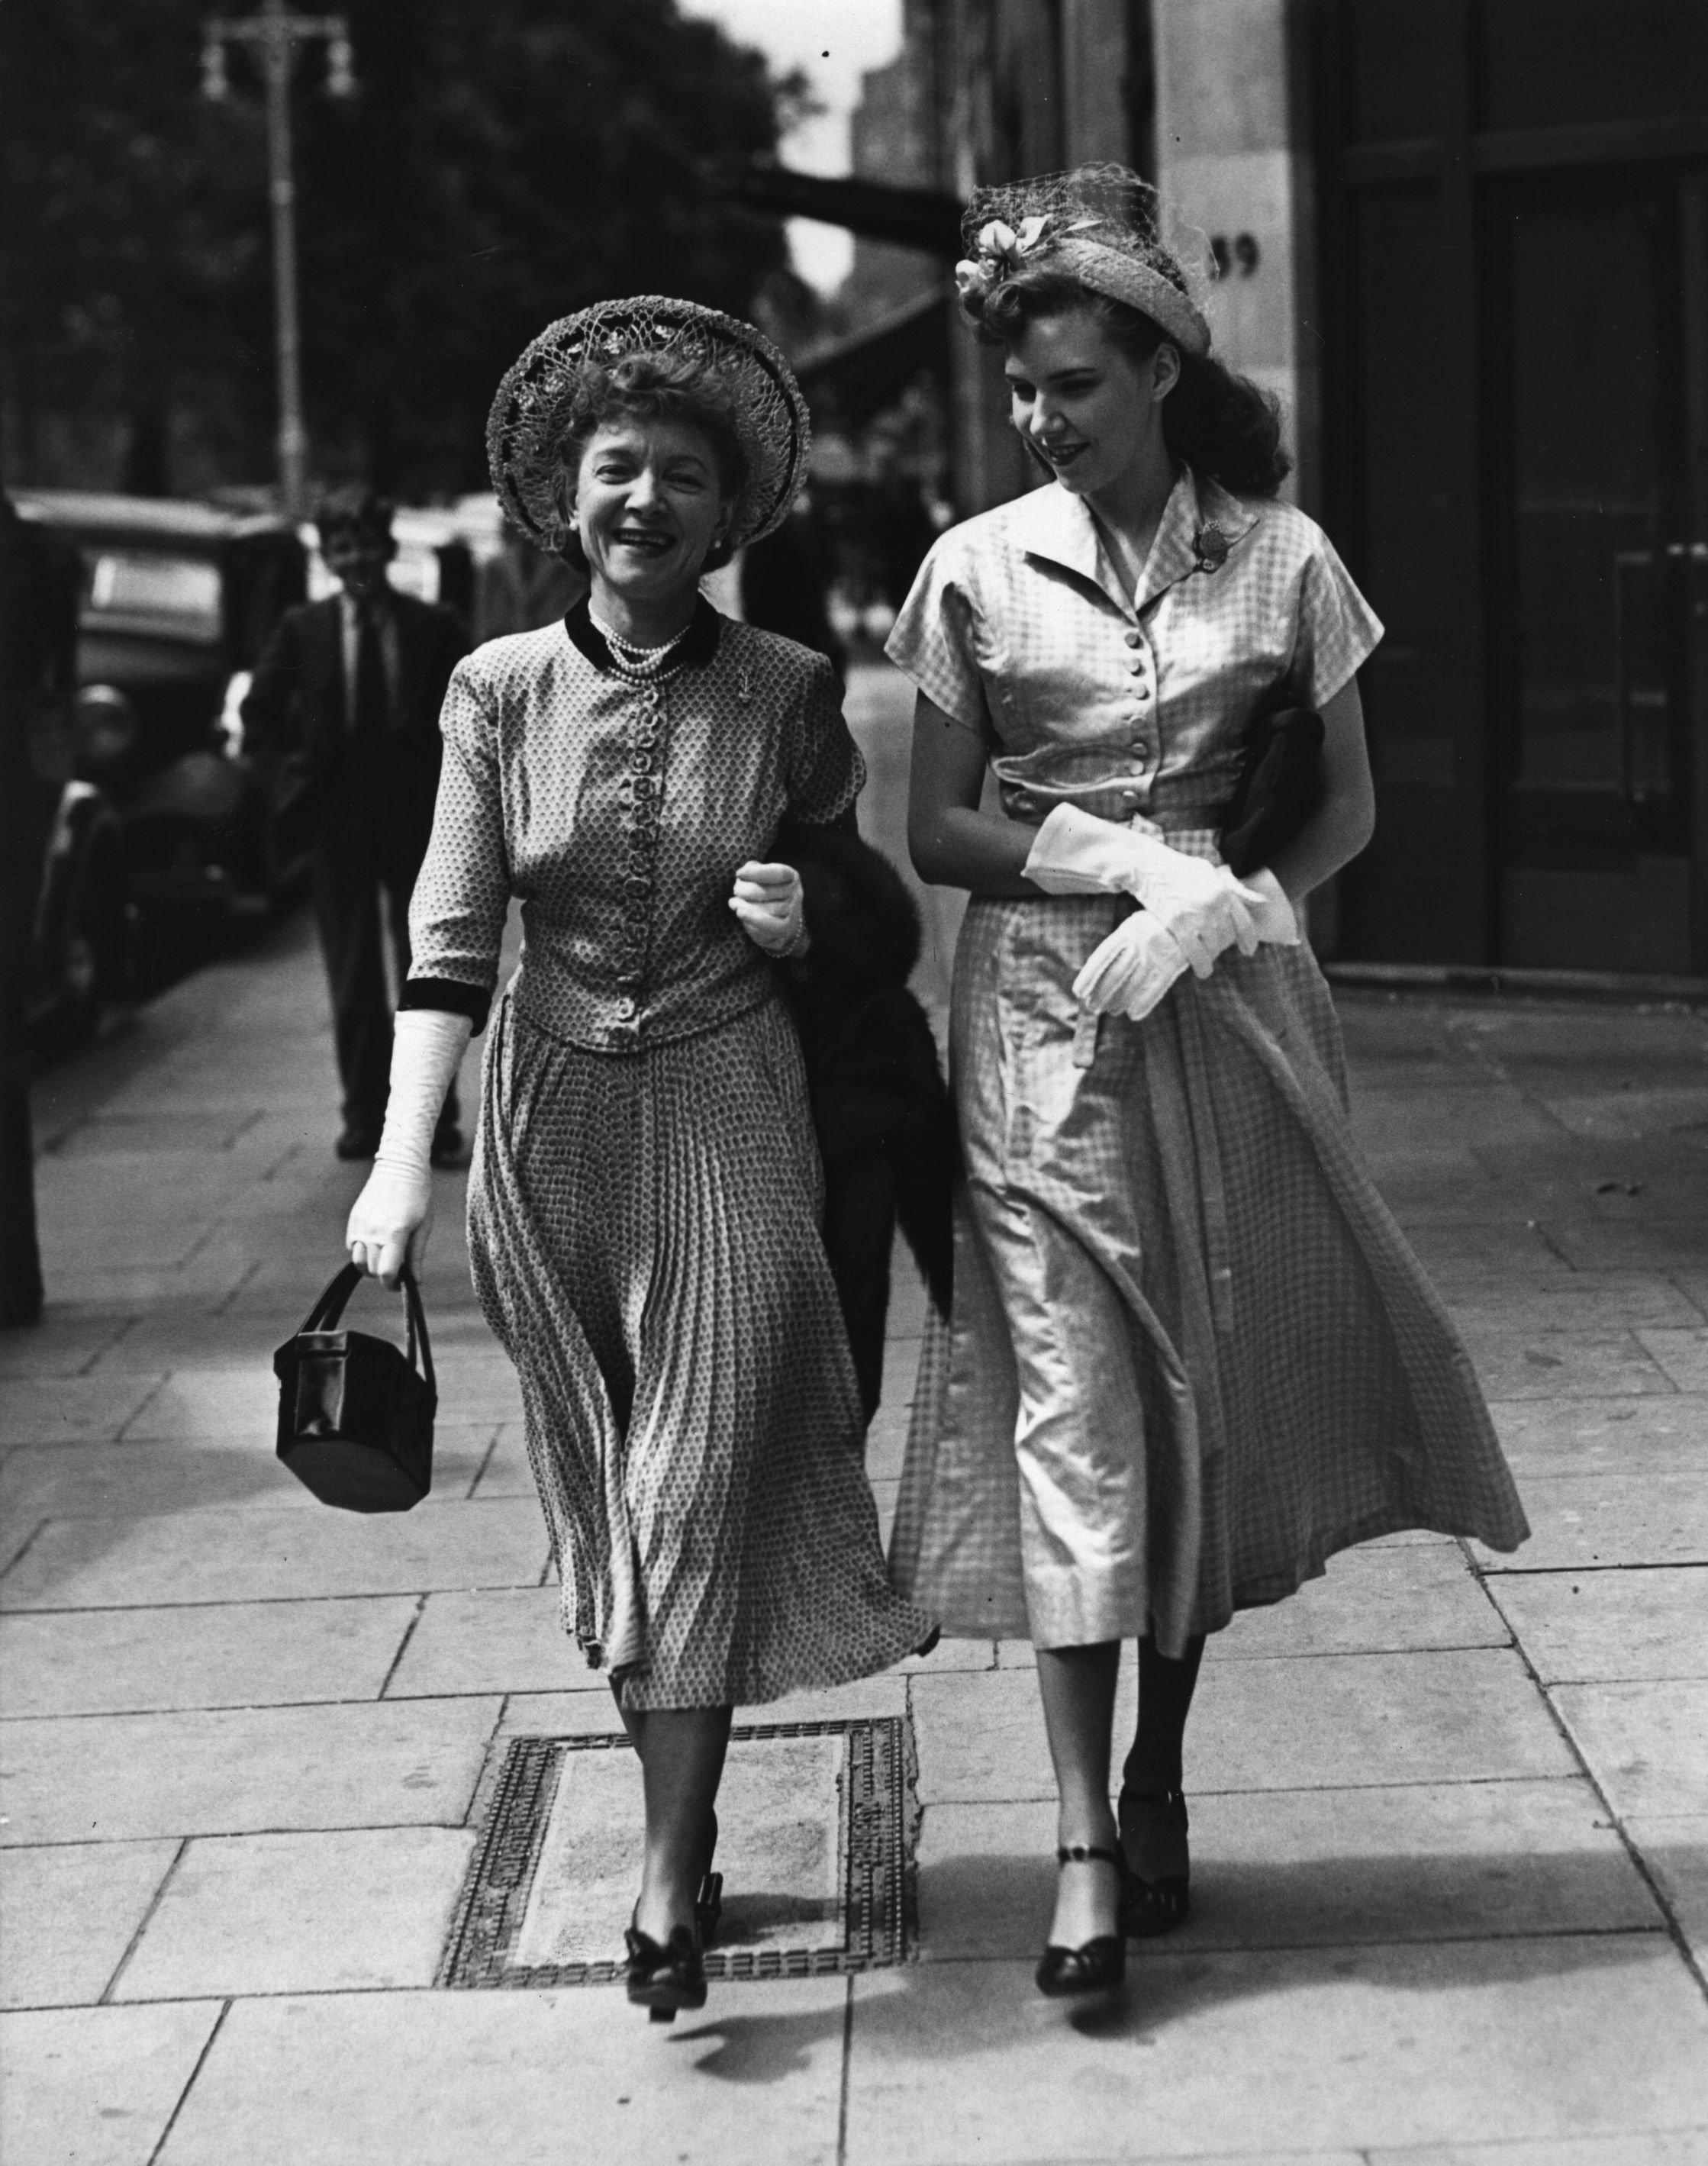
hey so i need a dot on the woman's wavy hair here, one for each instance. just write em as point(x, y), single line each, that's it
point(650, 387)
point(1215, 422)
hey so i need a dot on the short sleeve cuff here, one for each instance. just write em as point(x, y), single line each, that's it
point(940, 681)
point(450, 996)
point(1339, 628)
point(930, 641)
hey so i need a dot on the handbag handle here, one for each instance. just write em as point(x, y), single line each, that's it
point(326, 1311)
point(418, 1330)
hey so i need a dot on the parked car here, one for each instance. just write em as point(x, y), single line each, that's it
point(176, 601)
point(68, 879)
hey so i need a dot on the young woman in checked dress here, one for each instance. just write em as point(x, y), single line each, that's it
point(644, 1203)
point(1191, 1356)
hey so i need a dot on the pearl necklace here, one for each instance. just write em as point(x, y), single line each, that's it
point(641, 665)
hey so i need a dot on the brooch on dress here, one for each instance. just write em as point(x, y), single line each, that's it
point(1211, 547)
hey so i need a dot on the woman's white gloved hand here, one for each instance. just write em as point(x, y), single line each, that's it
point(1128, 973)
point(1201, 905)
point(390, 1221)
point(771, 903)
point(1274, 917)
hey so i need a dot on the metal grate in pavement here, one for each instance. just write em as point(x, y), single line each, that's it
point(866, 1928)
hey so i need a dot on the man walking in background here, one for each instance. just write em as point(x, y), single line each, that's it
point(349, 691)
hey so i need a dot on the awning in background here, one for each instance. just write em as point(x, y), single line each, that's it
point(927, 218)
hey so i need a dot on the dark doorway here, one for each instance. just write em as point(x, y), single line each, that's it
point(1589, 285)
point(1514, 308)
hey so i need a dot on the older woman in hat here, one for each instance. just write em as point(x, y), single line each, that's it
point(1191, 1354)
point(643, 1199)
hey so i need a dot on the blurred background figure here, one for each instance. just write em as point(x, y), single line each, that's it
point(349, 690)
point(784, 583)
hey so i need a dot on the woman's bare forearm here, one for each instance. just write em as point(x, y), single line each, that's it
point(982, 852)
point(1343, 823)
point(951, 841)
point(1338, 831)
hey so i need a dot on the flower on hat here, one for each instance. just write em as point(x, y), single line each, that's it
point(1002, 250)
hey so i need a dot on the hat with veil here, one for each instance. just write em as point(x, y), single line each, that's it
point(1101, 225)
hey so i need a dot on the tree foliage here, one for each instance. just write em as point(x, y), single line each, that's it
point(506, 161)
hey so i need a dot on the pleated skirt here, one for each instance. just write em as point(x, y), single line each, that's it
point(1191, 1355)
point(644, 1236)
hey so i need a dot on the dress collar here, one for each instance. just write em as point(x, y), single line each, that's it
point(1200, 524)
point(699, 644)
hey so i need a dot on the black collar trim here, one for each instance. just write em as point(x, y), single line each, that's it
point(698, 645)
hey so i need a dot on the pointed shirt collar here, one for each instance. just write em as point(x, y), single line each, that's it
point(1055, 523)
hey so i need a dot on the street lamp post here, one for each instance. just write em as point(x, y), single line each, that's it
point(275, 34)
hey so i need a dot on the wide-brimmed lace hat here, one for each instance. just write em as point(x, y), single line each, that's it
point(524, 431)
point(1103, 226)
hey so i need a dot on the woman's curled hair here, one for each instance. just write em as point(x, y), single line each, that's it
point(650, 387)
point(1219, 424)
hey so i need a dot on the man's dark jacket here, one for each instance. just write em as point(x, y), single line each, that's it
point(294, 715)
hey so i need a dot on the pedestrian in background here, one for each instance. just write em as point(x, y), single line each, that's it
point(347, 693)
point(1191, 1354)
point(645, 1196)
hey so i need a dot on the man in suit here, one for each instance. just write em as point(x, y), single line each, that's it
point(348, 692)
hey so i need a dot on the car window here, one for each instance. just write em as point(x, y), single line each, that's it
point(179, 595)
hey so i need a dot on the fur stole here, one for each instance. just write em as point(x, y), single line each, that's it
point(885, 1129)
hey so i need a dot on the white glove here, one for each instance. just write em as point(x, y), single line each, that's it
point(1274, 915)
point(1128, 973)
point(391, 1220)
point(1201, 905)
point(771, 903)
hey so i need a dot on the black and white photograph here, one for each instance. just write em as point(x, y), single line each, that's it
point(853, 1083)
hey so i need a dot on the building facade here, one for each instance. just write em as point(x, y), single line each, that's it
point(1466, 244)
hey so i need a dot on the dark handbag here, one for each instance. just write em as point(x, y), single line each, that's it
point(1279, 788)
point(355, 1415)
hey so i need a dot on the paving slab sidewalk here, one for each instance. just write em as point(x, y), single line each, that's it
point(1450, 1810)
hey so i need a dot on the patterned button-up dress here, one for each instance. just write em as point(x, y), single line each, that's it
point(644, 1194)
point(1191, 1354)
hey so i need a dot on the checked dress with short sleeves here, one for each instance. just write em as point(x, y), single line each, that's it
point(643, 1201)
point(1191, 1354)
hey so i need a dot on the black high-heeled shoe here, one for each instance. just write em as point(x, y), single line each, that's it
point(1158, 1906)
point(1097, 1964)
point(708, 1903)
point(664, 1978)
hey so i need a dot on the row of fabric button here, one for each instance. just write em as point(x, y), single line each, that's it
point(1138, 668)
point(640, 867)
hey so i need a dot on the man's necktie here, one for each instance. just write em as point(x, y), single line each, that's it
point(372, 694)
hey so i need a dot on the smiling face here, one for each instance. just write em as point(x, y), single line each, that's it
point(1094, 414)
point(647, 507)
point(357, 558)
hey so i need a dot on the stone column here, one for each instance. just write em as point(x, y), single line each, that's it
point(1095, 123)
point(1233, 156)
